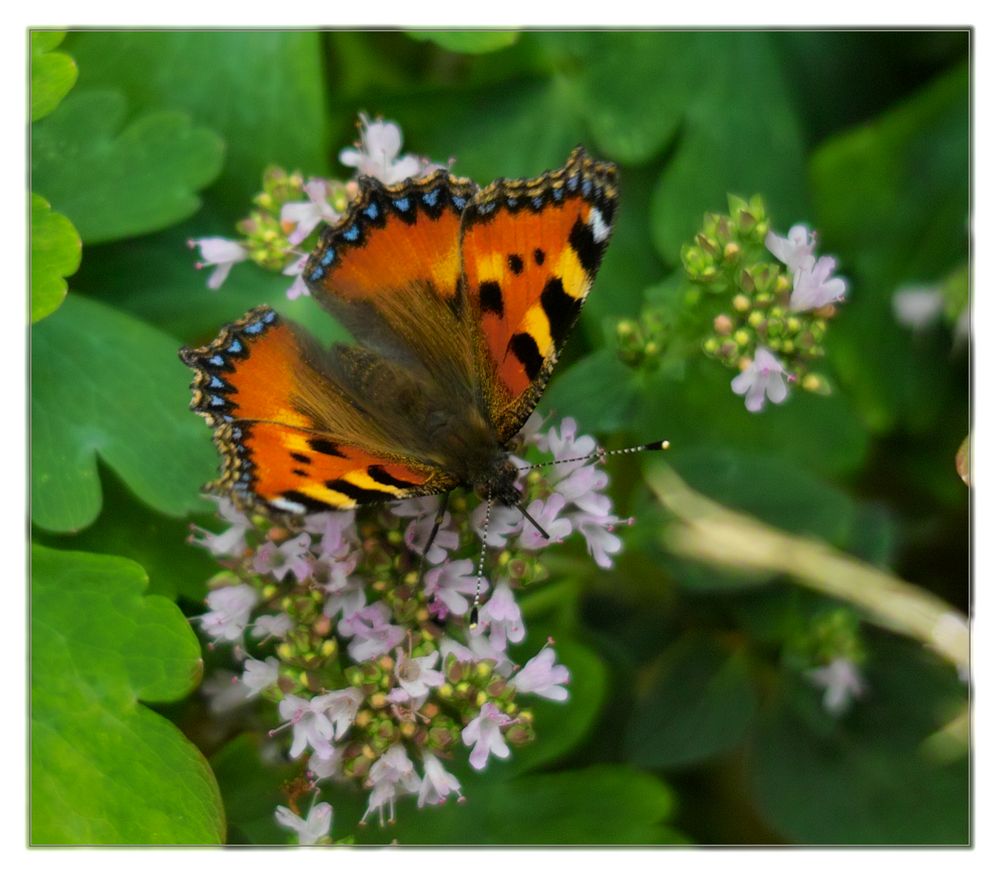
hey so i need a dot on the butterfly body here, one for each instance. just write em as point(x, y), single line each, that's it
point(459, 300)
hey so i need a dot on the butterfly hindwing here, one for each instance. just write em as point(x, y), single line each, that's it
point(290, 438)
point(530, 251)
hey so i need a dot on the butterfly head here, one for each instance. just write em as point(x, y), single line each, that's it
point(499, 482)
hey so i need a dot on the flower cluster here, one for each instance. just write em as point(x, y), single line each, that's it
point(361, 639)
point(282, 228)
point(768, 298)
point(828, 650)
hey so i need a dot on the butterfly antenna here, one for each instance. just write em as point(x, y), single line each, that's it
point(600, 453)
point(474, 614)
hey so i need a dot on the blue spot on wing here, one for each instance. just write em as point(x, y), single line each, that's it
point(254, 328)
point(327, 257)
point(371, 211)
point(215, 383)
point(352, 233)
point(234, 347)
point(431, 198)
point(270, 317)
point(557, 194)
point(588, 187)
point(316, 274)
point(458, 201)
point(401, 204)
point(216, 401)
point(217, 360)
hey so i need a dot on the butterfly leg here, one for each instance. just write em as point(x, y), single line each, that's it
point(532, 521)
point(438, 520)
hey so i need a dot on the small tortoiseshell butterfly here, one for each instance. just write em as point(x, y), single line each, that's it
point(460, 300)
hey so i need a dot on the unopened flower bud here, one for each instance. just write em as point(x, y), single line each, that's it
point(722, 324)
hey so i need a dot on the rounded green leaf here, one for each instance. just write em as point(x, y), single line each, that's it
point(698, 704)
point(263, 91)
point(53, 74)
point(600, 805)
point(104, 767)
point(117, 177)
point(867, 778)
point(740, 136)
point(105, 385)
point(470, 42)
point(55, 255)
point(892, 201)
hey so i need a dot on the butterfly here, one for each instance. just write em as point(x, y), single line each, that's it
point(459, 299)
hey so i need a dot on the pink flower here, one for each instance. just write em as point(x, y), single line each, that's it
point(371, 632)
point(562, 443)
point(311, 829)
point(438, 783)
point(483, 736)
point(391, 775)
point(310, 725)
point(543, 677)
point(504, 523)
point(341, 707)
point(230, 543)
point(815, 288)
point(502, 617)
point(326, 767)
point(299, 218)
point(220, 253)
point(598, 531)
point(291, 556)
point(272, 625)
point(377, 154)
point(416, 675)
point(295, 269)
point(450, 584)
point(795, 251)
point(419, 531)
point(547, 514)
point(336, 530)
point(841, 682)
point(230, 611)
point(762, 376)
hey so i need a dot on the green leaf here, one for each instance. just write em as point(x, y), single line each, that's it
point(127, 528)
point(633, 88)
point(698, 704)
point(55, 255)
point(251, 791)
point(154, 279)
point(822, 434)
point(599, 391)
point(740, 136)
point(107, 385)
point(53, 74)
point(263, 91)
point(864, 779)
point(118, 180)
point(604, 805)
point(472, 42)
point(892, 201)
point(104, 768)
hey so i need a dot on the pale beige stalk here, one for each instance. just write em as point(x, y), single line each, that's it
point(708, 532)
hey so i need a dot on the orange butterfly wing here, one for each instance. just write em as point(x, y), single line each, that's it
point(530, 251)
point(390, 271)
point(287, 434)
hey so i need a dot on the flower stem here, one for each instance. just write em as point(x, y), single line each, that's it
point(706, 531)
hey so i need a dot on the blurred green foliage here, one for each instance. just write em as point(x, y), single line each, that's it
point(687, 721)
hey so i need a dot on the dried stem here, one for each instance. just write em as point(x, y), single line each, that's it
point(713, 534)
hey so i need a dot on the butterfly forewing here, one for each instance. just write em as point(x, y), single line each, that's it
point(530, 252)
